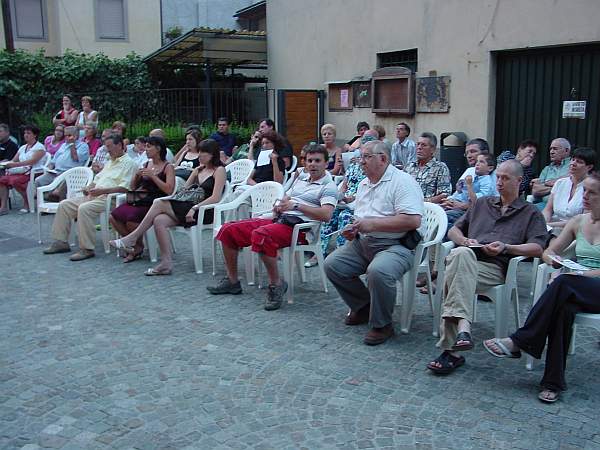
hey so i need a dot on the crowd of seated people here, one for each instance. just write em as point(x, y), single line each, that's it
point(371, 220)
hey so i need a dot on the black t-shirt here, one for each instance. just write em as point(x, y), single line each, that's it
point(265, 173)
point(8, 150)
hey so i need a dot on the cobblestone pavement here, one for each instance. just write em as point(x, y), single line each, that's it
point(93, 355)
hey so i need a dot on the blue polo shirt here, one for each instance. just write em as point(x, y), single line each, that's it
point(62, 158)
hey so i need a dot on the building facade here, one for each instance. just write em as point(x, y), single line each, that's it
point(463, 47)
point(112, 27)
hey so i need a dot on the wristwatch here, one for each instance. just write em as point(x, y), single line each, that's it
point(296, 206)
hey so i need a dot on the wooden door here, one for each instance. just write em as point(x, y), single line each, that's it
point(300, 116)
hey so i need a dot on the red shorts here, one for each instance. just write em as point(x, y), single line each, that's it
point(19, 181)
point(262, 235)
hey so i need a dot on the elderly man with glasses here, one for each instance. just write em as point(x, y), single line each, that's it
point(389, 206)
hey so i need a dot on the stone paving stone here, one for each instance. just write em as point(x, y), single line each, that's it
point(94, 355)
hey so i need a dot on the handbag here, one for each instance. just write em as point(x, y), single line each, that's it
point(183, 172)
point(140, 198)
point(194, 194)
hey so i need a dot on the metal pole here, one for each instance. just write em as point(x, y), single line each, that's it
point(8, 34)
point(208, 95)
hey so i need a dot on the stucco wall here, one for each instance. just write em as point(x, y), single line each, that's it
point(75, 29)
point(311, 42)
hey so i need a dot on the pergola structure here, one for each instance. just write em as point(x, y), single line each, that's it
point(210, 47)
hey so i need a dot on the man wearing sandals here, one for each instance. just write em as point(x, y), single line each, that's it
point(492, 231)
point(114, 177)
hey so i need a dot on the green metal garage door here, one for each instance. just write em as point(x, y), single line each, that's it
point(531, 86)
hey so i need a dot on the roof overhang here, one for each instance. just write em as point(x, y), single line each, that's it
point(217, 47)
point(258, 9)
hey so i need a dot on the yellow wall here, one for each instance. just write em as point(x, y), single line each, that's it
point(71, 25)
point(312, 41)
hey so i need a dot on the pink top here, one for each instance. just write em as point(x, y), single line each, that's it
point(50, 147)
point(93, 144)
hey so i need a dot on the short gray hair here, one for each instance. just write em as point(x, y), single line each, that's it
point(72, 130)
point(379, 147)
point(564, 143)
point(431, 137)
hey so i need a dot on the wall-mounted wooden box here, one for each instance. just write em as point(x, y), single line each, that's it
point(340, 96)
point(393, 91)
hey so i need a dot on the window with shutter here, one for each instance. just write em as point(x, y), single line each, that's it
point(29, 19)
point(111, 19)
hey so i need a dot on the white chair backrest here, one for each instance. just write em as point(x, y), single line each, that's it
point(240, 171)
point(179, 183)
point(294, 164)
point(77, 178)
point(226, 191)
point(264, 195)
point(434, 220)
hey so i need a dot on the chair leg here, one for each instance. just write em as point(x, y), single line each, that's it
point(572, 345)
point(249, 263)
point(213, 253)
point(196, 253)
point(104, 232)
point(500, 303)
point(31, 198)
point(39, 221)
point(515, 299)
point(321, 263)
point(287, 259)
point(408, 297)
point(152, 244)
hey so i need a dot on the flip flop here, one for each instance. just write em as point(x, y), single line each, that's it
point(463, 336)
point(448, 362)
point(506, 353)
point(133, 257)
point(153, 272)
point(550, 399)
point(120, 245)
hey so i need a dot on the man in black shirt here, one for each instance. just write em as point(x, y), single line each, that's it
point(8, 149)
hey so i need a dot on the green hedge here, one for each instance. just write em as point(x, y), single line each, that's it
point(174, 133)
point(31, 83)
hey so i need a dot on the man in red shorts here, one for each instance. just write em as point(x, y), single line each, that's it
point(311, 197)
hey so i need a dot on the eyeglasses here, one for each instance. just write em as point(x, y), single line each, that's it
point(366, 156)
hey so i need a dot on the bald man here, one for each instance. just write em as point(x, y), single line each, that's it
point(490, 233)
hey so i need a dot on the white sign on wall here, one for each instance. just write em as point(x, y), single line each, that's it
point(573, 110)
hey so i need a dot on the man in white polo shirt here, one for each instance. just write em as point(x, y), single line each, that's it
point(389, 206)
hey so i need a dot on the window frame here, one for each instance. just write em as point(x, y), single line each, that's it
point(13, 20)
point(99, 38)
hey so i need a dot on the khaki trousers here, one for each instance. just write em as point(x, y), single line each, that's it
point(86, 210)
point(465, 276)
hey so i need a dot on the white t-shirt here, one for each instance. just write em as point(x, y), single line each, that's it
point(24, 154)
point(564, 208)
point(395, 193)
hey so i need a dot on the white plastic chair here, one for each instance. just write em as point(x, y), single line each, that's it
point(262, 197)
point(75, 178)
point(195, 232)
point(433, 225)
point(294, 254)
point(541, 283)
point(33, 173)
point(502, 295)
point(240, 171)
